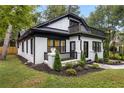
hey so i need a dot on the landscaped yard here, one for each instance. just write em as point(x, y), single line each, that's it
point(15, 74)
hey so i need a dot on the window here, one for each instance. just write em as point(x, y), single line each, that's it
point(63, 46)
point(27, 46)
point(22, 46)
point(50, 44)
point(86, 48)
point(31, 46)
point(58, 44)
point(96, 46)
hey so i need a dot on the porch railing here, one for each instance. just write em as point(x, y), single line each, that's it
point(63, 56)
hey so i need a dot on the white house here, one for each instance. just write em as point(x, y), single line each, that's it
point(68, 33)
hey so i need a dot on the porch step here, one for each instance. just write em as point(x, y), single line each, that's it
point(69, 61)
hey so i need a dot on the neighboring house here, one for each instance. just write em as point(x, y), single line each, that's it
point(68, 33)
point(118, 41)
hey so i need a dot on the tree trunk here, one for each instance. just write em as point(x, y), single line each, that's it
point(6, 41)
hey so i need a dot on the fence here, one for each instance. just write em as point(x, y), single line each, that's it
point(11, 50)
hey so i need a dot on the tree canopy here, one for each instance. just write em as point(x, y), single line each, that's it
point(20, 17)
point(107, 16)
point(53, 11)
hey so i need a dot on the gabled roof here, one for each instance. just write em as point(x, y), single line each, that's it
point(63, 16)
point(43, 29)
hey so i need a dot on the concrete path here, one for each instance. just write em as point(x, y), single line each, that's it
point(105, 66)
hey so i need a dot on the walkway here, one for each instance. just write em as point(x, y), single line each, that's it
point(105, 66)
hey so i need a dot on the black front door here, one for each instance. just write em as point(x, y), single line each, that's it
point(86, 48)
point(72, 49)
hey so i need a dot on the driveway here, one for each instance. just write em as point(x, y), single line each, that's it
point(105, 66)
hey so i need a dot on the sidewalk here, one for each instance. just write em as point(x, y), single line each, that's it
point(106, 66)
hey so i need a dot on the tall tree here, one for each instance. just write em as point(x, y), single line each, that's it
point(73, 9)
point(14, 19)
point(107, 16)
point(53, 11)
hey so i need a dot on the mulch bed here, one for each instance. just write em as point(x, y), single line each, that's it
point(45, 68)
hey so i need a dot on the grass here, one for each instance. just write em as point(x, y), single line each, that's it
point(15, 74)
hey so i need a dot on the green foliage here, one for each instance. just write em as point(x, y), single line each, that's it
point(69, 65)
point(72, 72)
point(79, 68)
point(57, 62)
point(95, 65)
point(115, 56)
point(110, 62)
point(20, 17)
point(106, 49)
point(96, 58)
point(81, 63)
point(114, 62)
point(53, 11)
point(105, 15)
point(82, 57)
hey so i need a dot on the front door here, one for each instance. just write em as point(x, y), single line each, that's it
point(72, 49)
point(86, 48)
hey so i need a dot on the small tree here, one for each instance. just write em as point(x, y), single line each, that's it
point(57, 62)
point(82, 58)
point(96, 58)
point(82, 61)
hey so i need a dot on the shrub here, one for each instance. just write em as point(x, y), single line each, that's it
point(79, 68)
point(96, 58)
point(82, 58)
point(117, 56)
point(57, 62)
point(72, 72)
point(101, 60)
point(69, 65)
point(111, 55)
point(110, 62)
point(95, 66)
point(81, 63)
point(113, 49)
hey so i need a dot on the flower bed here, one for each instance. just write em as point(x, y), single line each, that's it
point(74, 71)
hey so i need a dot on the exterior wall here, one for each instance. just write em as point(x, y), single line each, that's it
point(91, 53)
point(40, 48)
point(77, 43)
point(28, 56)
point(61, 24)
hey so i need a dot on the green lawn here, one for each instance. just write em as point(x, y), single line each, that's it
point(14, 74)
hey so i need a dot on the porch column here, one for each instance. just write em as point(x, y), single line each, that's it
point(78, 49)
point(51, 57)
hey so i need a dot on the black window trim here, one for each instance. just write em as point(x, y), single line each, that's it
point(57, 46)
point(96, 46)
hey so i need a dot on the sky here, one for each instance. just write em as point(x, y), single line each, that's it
point(85, 10)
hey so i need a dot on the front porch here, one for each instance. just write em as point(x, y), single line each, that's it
point(63, 56)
